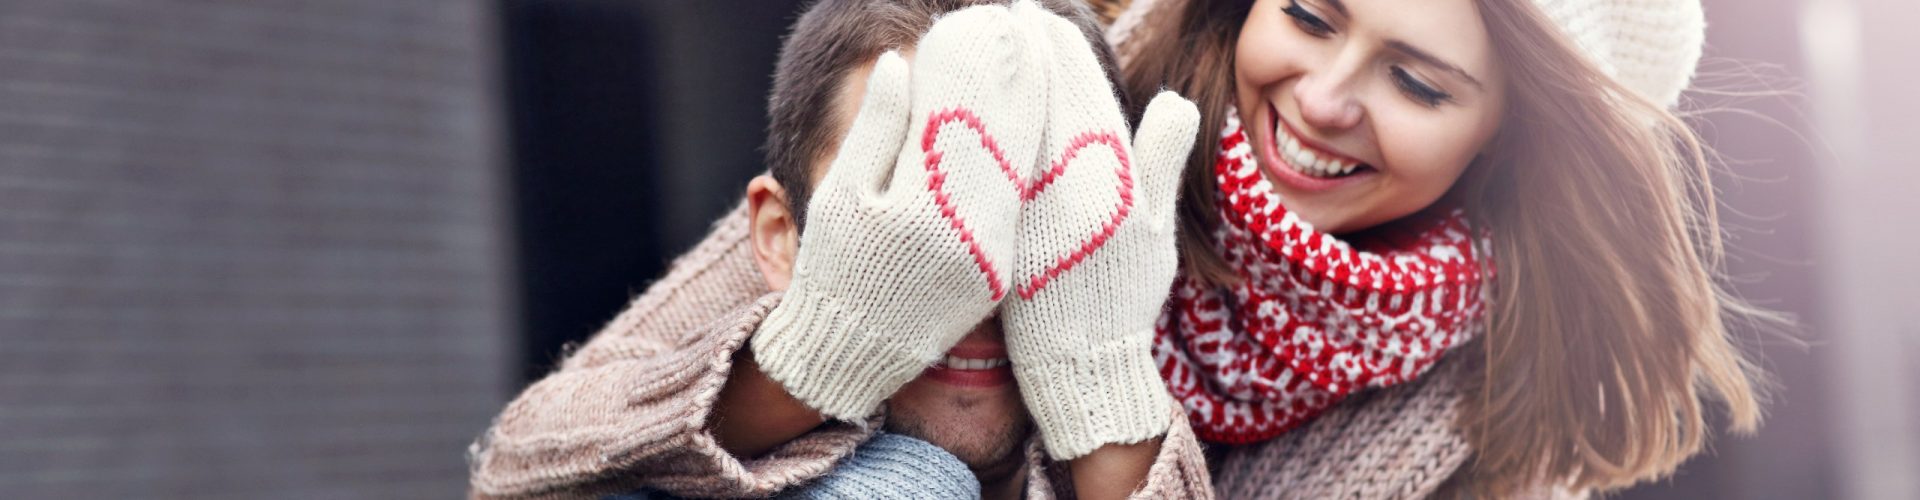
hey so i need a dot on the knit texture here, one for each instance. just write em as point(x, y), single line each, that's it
point(1651, 46)
point(1097, 252)
point(1395, 443)
point(1179, 470)
point(627, 411)
point(887, 466)
point(893, 466)
point(1389, 444)
point(909, 242)
point(1312, 317)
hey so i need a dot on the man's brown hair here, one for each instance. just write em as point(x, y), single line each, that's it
point(831, 39)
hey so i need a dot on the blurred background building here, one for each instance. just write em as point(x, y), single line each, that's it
point(307, 249)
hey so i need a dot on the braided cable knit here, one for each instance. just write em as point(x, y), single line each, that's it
point(1313, 317)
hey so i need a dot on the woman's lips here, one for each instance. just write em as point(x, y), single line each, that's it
point(1288, 173)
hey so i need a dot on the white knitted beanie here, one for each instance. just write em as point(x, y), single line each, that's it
point(1651, 46)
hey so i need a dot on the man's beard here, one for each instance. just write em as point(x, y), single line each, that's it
point(989, 443)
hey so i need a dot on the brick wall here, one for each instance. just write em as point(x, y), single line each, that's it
point(248, 249)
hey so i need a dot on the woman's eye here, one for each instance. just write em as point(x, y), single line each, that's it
point(1308, 22)
point(1419, 91)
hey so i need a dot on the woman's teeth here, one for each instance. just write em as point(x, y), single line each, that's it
point(1305, 161)
point(959, 363)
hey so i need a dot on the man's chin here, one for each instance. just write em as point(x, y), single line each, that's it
point(984, 428)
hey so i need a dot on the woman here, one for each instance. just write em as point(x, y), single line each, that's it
point(1362, 165)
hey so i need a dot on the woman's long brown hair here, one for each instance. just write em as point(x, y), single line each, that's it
point(1609, 330)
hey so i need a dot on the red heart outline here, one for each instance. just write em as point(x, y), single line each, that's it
point(937, 178)
point(936, 181)
point(1098, 238)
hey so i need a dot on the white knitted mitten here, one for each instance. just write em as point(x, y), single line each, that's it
point(911, 237)
point(1097, 256)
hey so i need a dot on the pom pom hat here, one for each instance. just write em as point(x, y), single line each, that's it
point(1651, 46)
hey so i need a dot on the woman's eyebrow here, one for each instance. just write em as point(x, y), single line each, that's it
point(1338, 6)
point(1423, 56)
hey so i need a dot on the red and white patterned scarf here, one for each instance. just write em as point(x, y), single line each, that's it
point(1313, 318)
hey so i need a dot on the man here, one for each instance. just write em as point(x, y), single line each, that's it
point(670, 397)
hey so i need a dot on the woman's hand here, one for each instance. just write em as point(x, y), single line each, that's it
point(909, 233)
point(1097, 255)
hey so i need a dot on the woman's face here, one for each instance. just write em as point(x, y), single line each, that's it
point(1364, 111)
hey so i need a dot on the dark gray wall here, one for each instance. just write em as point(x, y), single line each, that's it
point(636, 124)
point(248, 249)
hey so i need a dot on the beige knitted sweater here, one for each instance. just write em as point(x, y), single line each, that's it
point(628, 410)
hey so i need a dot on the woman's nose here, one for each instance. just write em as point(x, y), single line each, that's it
point(1326, 101)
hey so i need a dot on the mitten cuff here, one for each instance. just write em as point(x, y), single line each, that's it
point(823, 356)
point(1109, 395)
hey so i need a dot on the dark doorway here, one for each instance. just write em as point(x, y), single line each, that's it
point(632, 124)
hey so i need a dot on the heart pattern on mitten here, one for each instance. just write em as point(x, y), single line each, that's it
point(937, 179)
point(1030, 190)
point(1097, 236)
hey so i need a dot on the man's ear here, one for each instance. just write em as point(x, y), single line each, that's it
point(772, 231)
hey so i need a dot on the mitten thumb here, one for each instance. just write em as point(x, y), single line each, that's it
point(1160, 149)
point(866, 157)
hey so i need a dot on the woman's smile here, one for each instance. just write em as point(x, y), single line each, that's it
point(1305, 164)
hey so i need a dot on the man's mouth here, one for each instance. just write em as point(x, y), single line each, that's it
point(978, 361)
point(1306, 158)
point(959, 363)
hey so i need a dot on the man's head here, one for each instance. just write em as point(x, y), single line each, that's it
point(823, 64)
point(818, 84)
